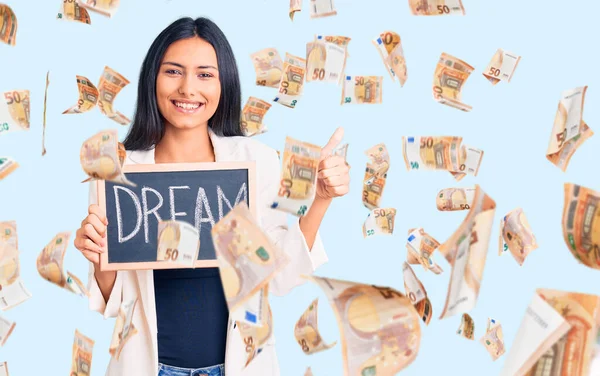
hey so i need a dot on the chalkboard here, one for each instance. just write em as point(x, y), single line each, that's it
point(197, 193)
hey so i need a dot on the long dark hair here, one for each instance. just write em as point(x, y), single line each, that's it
point(147, 128)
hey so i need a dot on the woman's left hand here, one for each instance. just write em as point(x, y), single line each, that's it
point(333, 178)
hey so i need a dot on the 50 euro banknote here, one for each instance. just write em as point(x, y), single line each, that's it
point(362, 89)
point(14, 111)
point(449, 78)
point(102, 157)
point(581, 224)
point(436, 7)
point(326, 59)
point(390, 49)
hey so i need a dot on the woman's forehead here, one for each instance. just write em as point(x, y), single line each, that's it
point(191, 52)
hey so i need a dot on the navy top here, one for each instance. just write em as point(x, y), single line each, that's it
point(192, 317)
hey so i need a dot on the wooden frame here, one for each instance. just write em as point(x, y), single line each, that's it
point(174, 167)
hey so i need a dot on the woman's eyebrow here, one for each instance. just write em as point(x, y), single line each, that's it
point(198, 67)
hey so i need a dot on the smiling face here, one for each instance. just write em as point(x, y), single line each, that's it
point(187, 86)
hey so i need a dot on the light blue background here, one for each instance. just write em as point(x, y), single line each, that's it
point(510, 122)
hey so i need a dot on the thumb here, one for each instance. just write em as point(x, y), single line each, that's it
point(334, 141)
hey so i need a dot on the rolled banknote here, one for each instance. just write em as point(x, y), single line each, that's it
point(8, 25)
point(7, 166)
point(124, 328)
point(50, 265)
point(415, 291)
point(448, 80)
point(389, 46)
point(81, 362)
point(362, 89)
point(325, 61)
point(493, 339)
point(104, 7)
point(12, 289)
point(425, 310)
point(516, 236)
point(559, 329)
point(375, 175)
point(388, 324)
point(337, 39)
point(14, 111)
point(466, 251)
point(252, 116)
point(581, 224)
point(6, 328)
point(255, 337)
point(451, 199)
point(4, 369)
point(8, 234)
point(322, 8)
point(102, 157)
point(441, 153)
point(379, 222)
point(298, 177)
point(178, 242)
point(88, 96)
point(111, 83)
point(420, 246)
point(569, 130)
point(44, 115)
point(247, 258)
point(502, 66)
point(467, 327)
point(436, 7)
point(268, 67)
point(295, 6)
point(307, 333)
point(292, 81)
point(72, 11)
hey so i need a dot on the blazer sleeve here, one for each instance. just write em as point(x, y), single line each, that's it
point(303, 261)
point(97, 303)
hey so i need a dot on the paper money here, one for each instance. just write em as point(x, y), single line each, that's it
point(7, 165)
point(124, 328)
point(44, 115)
point(82, 355)
point(6, 328)
point(8, 234)
point(389, 46)
point(441, 153)
point(325, 61)
point(292, 81)
point(14, 111)
point(295, 6)
point(255, 337)
point(415, 291)
point(8, 25)
point(253, 310)
point(268, 67)
point(102, 157)
point(306, 331)
point(581, 224)
point(72, 11)
point(379, 222)
point(375, 175)
point(451, 199)
point(502, 66)
point(379, 327)
point(298, 177)
point(466, 251)
point(50, 265)
point(436, 7)
point(12, 289)
point(569, 130)
point(420, 246)
point(362, 89)
point(467, 327)
point(449, 77)
point(559, 333)
point(4, 369)
point(425, 310)
point(104, 7)
point(322, 8)
point(247, 258)
point(516, 236)
point(178, 242)
point(88, 96)
point(493, 339)
point(252, 117)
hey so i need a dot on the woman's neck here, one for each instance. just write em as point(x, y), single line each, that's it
point(184, 146)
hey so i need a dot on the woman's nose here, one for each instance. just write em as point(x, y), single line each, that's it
point(188, 86)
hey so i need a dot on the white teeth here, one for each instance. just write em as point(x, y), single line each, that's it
point(187, 106)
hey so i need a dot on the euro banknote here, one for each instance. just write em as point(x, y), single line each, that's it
point(72, 11)
point(12, 291)
point(502, 67)
point(14, 111)
point(436, 7)
point(307, 333)
point(380, 221)
point(362, 89)
point(467, 327)
point(452, 199)
point(375, 175)
point(268, 67)
point(102, 157)
point(6, 329)
point(104, 7)
point(81, 361)
point(516, 236)
point(419, 248)
point(493, 339)
point(325, 61)
point(581, 224)
point(292, 81)
point(178, 242)
point(124, 328)
point(50, 265)
point(8, 25)
point(390, 49)
point(449, 78)
point(253, 115)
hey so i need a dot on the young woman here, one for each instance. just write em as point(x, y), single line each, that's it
point(188, 110)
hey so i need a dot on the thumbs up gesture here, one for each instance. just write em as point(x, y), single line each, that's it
point(333, 178)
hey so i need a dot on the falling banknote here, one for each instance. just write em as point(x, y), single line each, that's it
point(467, 327)
point(449, 77)
point(14, 111)
point(124, 328)
point(178, 243)
point(8, 234)
point(466, 251)
point(247, 258)
point(6, 328)
point(493, 339)
point(50, 265)
point(8, 25)
point(255, 337)
point(322, 8)
point(380, 221)
point(375, 175)
point(295, 6)
point(436, 7)
point(102, 157)
point(420, 246)
point(559, 329)
point(379, 327)
point(72, 11)
point(581, 224)
point(325, 60)
point(502, 66)
point(104, 7)
point(292, 81)
point(569, 130)
point(516, 236)
point(7, 166)
point(253, 114)
point(12, 289)
point(268, 67)
point(362, 89)
point(81, 361)
point(390, 49)
point(306, 331)
point(441, 153)
point(416, 293)
point(452, 199)
point(298, 177)
point(44, 114)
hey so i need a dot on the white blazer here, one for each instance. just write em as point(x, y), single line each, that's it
point(140, 355)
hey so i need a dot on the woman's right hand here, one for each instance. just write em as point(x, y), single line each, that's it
point(90, 238)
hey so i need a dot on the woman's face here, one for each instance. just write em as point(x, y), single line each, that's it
point(187, 86)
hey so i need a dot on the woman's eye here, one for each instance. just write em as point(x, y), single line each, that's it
point(205, 75)
point(172, 71)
